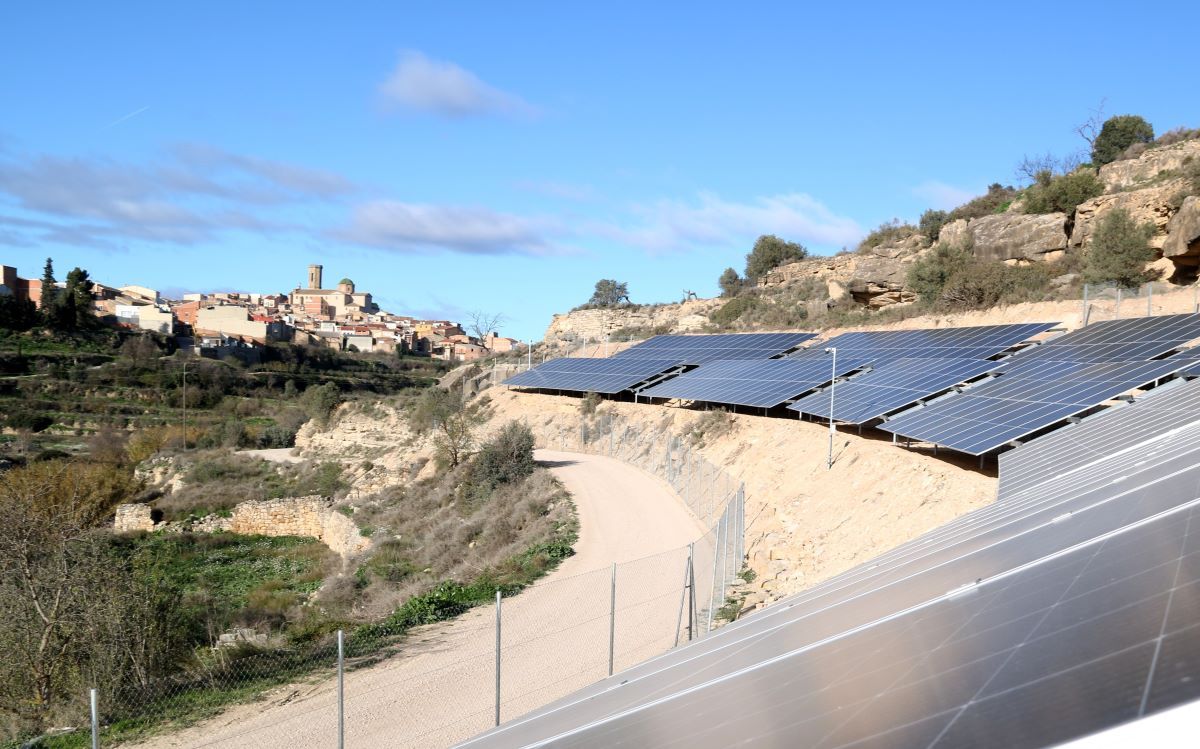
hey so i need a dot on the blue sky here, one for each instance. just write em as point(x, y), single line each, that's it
point(505, 156)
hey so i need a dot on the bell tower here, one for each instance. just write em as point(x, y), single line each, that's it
point(314, 276)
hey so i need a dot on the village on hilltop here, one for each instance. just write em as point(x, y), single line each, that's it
point(239, 324)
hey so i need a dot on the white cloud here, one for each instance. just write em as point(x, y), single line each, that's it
point(943, 196)
point(421, 227)
point(443, 88)
point(192, 194)
point(711, 221)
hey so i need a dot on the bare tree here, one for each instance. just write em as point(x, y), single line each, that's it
point(1089, 130)
point(482, 323)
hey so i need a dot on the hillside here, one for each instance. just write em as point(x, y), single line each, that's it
point(1028, 251)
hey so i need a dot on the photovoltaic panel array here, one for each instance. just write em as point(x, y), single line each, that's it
point(1023, 399)
point(1055, 612)
point(890, 387)
point(608, 376)
point(1136, 339)
point(698, 349)
point(1079, 446)
point(880, 347)
point(763, 383)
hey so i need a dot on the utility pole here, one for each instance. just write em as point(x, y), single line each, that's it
point(185, 404)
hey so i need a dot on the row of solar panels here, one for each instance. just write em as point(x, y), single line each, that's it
point(877, 375)
point(1068, 606)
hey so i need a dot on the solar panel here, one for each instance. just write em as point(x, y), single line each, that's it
point(979, 342)
point(1136, 339)
point(1025, 398)
point(764, 383)
point(1078, 446)
point(591, 375)
point(890, 387)
point(1059, 612)
point(698, 349)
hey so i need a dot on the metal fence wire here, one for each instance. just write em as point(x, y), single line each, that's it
point(1110, 301)
point(434, 685)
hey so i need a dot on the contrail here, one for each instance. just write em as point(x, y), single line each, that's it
point(129, 116)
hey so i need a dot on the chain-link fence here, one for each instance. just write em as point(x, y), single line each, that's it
point(1112, 301)
point(436, 684)
point(406, 683)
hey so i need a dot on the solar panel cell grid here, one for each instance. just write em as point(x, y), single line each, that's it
point(697, 349)
point(764, 383)
point(1136, 339)
point(591, 375)
point(978, 342)
point(1027, 397)
point(890, 387)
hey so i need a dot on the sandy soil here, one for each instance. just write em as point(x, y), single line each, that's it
point(441, 689)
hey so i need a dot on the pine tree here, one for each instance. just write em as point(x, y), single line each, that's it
point(49, 288)
point(1119, 251)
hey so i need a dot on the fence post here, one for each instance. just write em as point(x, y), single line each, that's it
point(1149, 299)
point(94, 699)
point(1083, 310)
point(497, 657)
point(612, 619)
point(341, 689)
point(1117, 316)
point(717, 549)
point(683, 597)
point(691, 571)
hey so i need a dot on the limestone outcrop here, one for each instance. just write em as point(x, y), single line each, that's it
point(1153, 204)
point(1014, 236)
point(1121, 175)
point(1182, 244)
point(312, 516)
point(594, 324)
point(875, 278)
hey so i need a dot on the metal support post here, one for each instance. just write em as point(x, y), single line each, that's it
point(612, 619)
point(722, 526)
point(94, 699)
point(1149, 299)
point(683, 597)
point(341, 689)
point(832, 390)
point(497, 657)
point(1083, 309)
point(1118, 312)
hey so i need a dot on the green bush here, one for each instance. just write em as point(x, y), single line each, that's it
point(997, 198)
point(729, 312)
point(928, 275)
point(1064, 193)
point(983, 284)
point(888, 231)
point(1119, 251)
point(770, 252)
point(730, 282)
point(505, 458)
point(931, 224)
point(1117, 134)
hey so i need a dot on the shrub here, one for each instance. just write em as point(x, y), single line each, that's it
point(506, 457)
point(1178, 135)
point(995, 200)
point(729, 312)
point(1117, 134)
point(983, 284)
point(1119, 251)
point(931, 224)
point(1063, 193)
point(928, 275)
point(730, 282)
point(888, 231)
point(589, 404)
point(770, 252)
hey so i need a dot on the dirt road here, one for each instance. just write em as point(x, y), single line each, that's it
point(556, 634)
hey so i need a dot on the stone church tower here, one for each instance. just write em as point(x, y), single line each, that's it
point(314, 276)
